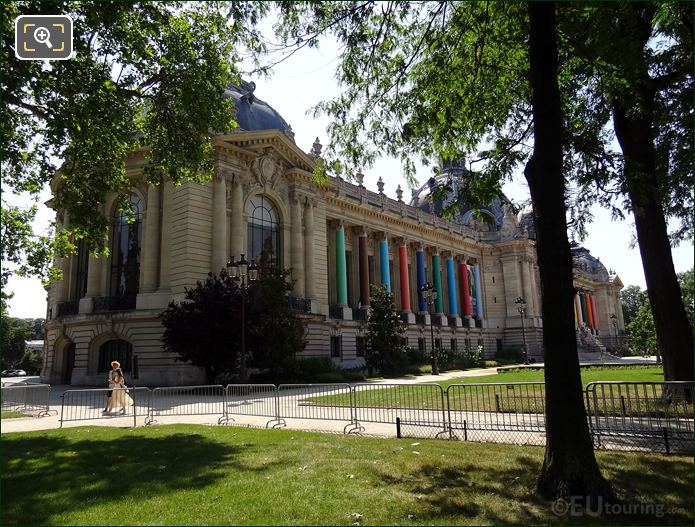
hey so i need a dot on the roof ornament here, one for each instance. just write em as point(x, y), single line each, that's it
point(359, 177)
point(249, 95)
point(399, 193)
point(316, 149)
point(380, 186)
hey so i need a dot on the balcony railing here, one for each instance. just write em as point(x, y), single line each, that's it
point(300, 304)
point(359, 313)
point(65, 309)
point(113, 303)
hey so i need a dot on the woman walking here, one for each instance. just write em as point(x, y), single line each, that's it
point(117, 396)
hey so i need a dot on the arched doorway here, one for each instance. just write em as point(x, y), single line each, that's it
point(68, 363)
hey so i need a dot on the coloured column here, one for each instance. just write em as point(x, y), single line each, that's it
point(364, 270)
point(578, 310)
point(421, 279)
point(451, 282)
point(384, 257)
point(437, 282)
point(478, 292)
point(340, 266)
point(582, 303)
point(465, 290)
point(594, 311)
point(404, 277)
point(589, 310)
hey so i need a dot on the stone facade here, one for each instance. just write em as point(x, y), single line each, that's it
point(337, 238)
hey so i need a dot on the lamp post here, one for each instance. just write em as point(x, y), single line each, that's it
point(430, 294)
point(521, 307)
point(244, 274)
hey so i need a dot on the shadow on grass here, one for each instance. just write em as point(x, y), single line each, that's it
point(46, 476)
point(505, 494)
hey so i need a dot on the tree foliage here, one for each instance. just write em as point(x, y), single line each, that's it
point(145, 75)
point(686, 280)
point(14, 337)
point(386, 351)
point(642, 333)
point(632, 298)
point(205, 328)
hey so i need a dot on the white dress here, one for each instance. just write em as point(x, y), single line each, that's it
point(119, 397)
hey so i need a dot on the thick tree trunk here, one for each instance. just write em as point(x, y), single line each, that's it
point(569, 467)
point(633, 124)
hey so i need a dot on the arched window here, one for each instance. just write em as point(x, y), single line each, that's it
point(112, 350)
point(263, 233)
point(125, 250)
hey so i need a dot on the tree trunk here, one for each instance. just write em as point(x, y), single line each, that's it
point(569, 467)
point(633, 118)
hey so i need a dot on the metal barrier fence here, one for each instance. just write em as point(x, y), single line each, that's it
point(26, 398)
point(188, 400)
point(416, 409)
point(642, 415)
point(90, 404)
point(256, 400)
point(622, 415)
point(327, 402)
point(509, 412)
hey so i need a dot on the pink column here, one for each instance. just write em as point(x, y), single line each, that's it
point(465, 291)
point(404, 277)
point(594, 312)
point(578, 309)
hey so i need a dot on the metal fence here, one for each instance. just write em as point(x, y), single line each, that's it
point(90, 404)
point(657, 416)
point(188, 400)
point(326, 402)
point(26, 398)
point(499, 412)
point(641, 415)
point(418, 409)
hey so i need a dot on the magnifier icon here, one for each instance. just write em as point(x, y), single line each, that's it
point(42, 36)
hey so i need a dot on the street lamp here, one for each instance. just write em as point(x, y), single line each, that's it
point(521, 307)
point(430, 294)
point(244, 274)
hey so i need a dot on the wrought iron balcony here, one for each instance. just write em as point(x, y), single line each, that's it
point(65, 309)
point(113, 303)
point(300, 304)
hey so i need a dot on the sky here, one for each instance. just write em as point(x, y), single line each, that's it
point(308, 77)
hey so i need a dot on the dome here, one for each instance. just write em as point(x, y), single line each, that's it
point(427, 199)
point(253, 114)
point(583, 260)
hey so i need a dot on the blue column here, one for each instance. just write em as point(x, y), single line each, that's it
point(437, 282)
point(478, 293)
point(340, 266)
point(451, 282)
point(385, 272)
point(421, 279)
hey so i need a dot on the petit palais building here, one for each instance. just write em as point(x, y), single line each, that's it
point(337, 239)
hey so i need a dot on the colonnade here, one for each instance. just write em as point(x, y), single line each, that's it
point(585, 312)
point(463, 280)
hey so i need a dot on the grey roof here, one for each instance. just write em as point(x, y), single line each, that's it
point(254, 114)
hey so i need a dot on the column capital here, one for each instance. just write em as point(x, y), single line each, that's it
point(360, 230)
point(381, 235)
point(335, 223)
point(400, 241)
point(447, 254)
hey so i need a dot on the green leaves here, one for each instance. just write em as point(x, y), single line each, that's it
point(145, 75)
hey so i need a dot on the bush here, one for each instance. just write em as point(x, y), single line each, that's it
point(312, 369)
point(510, 356)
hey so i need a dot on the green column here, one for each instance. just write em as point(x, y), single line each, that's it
point(340, 266)
point(437, 281)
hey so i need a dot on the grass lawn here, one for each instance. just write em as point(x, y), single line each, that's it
point(12, 415)
point(513, 399)
point(203, 475)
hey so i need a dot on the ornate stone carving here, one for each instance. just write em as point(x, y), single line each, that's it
point(266, 169)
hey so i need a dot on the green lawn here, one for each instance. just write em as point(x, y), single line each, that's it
point(12, 415)
point(202, 475)
point(508, 398)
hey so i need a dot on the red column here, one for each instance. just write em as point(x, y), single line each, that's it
point(589, 310)
point(404, 277)
point(465, 296)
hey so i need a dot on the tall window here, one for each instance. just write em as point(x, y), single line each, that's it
point(118, 350)
point(82, 260)
point(264, 232)
point(125, 250)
